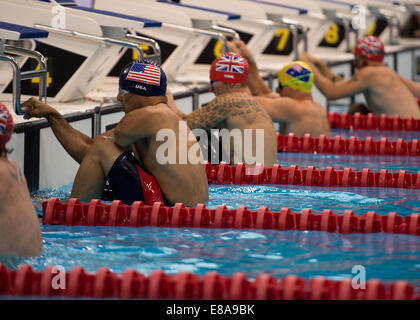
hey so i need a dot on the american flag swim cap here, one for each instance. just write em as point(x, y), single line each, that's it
point(144, 79)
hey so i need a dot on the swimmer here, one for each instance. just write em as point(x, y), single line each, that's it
point(414, 87)
point(233, 108)
point(20, 232)
point(384, 92)
point(292, 106)
point(136, 175)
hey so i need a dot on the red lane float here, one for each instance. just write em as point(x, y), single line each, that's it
point(187, 286)
point(226, 174)
point(371, 122)
point(140, 215)
point(352, 146)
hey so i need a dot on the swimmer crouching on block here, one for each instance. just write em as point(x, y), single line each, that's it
point(20, 232)
point(383, 89)
point(234, 108)
point(292, 106)
point(137, 175)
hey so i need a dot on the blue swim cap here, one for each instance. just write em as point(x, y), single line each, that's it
point(144, 79)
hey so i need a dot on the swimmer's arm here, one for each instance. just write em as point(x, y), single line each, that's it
point(414, 87)
point(73, 141)
point(332, 91)
point(210, 115)
point(321, 66)
point(173, 106)
point(136, 124)
point(256, 84)
point(280, 110)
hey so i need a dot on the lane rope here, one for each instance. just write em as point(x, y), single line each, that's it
point(371, 122)
point(352, 146)
point(188, 286)
point(117, 214)
point(240, 174)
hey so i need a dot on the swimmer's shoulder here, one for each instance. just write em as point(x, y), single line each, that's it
point(276, 100)
point(8, 174)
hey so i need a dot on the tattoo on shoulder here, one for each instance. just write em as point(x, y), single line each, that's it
point(223, 107)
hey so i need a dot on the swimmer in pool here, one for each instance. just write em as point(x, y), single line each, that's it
point(413, 86)
point(292, 106)
point(137, 175)
point(20, 232)
point(233, 108)
point(384, 92)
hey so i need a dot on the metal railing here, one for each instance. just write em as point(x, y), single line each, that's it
point(392, 20)
point(88, 37)
point(19, 76)
point(299, 32)
point(346, 22)
point(211, 34)
point(157, 54)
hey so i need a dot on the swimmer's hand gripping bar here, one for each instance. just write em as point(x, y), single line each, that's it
point(18, 75)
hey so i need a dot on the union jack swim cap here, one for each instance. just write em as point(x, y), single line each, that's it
point(230, 68)
point(370, 48)
point(6, 125)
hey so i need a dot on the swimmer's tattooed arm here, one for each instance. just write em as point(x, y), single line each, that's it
point(222, 108)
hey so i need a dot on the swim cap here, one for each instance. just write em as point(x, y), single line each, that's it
point(298, 75)
point(229, 68)
point(370, 48)
point(6, 125)
point(144, 79)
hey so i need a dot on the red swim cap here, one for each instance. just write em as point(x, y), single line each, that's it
point(6, 125)
point(230, 68)
point(370, 48)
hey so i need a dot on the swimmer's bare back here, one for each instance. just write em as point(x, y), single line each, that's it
point(297, 116)
point(186, 183)
point(20, 232)
point(241, 111)
point(387, 94)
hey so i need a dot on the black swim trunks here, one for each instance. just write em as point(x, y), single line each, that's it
point(130, 182)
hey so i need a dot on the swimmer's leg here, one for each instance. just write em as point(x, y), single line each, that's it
point(91, 177)
point(358, 107)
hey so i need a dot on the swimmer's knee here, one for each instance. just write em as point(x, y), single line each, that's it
point(103, 143)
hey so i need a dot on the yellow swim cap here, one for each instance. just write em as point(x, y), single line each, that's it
point(298, 75)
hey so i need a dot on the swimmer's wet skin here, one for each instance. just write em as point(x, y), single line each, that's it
point(131, 148)
point(20, 232)
point(234, 108)
point(292, 106)
point(382, 87)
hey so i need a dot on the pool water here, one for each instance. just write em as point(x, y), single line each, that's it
point(306, 254)
point(387, 257)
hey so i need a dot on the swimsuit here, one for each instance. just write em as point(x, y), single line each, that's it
point(130, 181)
